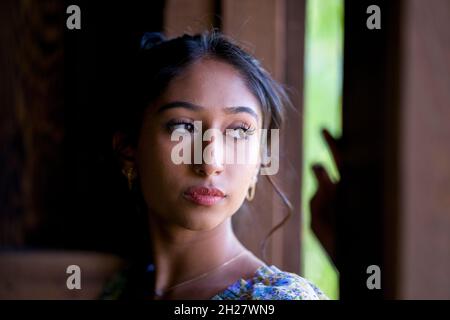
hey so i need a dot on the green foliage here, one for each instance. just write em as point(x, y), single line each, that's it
point(323, 88)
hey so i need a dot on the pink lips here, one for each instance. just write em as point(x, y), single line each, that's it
point(204, 196)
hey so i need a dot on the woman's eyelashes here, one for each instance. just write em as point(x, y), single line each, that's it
point(240, 131)
point(182, 126)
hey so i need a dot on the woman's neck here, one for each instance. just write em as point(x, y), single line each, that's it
point(181, 254)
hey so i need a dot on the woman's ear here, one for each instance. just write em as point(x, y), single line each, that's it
point(125, 151)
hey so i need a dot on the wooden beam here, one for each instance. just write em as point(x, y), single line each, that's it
point(187, 16)
point(273, 31)
point(394, 208)
point(424, 246)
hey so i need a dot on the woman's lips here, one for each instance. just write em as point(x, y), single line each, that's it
point(205, 196)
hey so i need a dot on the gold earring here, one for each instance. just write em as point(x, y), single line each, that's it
point(251, 192)
point(130, 173)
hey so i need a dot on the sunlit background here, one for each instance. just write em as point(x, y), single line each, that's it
point(322, 109)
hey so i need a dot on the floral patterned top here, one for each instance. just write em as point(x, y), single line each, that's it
point(270, 283)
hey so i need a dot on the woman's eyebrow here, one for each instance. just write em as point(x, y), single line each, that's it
point(194, 107)
point(248, 110)
point(179, 104)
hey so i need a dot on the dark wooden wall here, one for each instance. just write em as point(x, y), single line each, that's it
point(31, 117)
point(59, 186)
point(367, 105)
point(424, 152)
point(394, 193)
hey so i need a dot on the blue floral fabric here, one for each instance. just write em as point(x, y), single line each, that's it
point(270, 283)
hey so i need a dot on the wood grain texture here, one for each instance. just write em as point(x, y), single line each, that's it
point(274, 31)
point(42, 274)
point(191, 17)
point(425, 151)
point(31, 115)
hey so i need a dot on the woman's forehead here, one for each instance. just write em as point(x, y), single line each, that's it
point(212, 84)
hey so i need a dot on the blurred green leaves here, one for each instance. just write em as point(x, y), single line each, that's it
point(322, 103)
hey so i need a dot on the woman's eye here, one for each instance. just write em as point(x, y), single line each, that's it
point(240, 133)
point(183, 127)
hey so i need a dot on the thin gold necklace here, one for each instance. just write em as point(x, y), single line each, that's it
point(160, 293)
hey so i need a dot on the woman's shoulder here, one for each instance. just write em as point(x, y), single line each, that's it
point(271, 283)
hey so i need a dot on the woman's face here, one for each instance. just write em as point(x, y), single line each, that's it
point(199, 195)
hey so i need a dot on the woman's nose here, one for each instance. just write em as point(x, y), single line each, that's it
point(212, 158)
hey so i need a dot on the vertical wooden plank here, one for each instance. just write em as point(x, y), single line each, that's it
point(425, 152)
point(394, 198)
point(260, 26)
point(370, 67)
point(185, 16)
point(294, 71)
point(274, 31)
point(253, 25)
point(32, 129)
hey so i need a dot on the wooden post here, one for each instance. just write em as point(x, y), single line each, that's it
point(273, 31)
point(185, 16)
point(424, 236)
point(394, 207)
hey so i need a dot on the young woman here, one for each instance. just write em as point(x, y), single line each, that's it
point(183, 87)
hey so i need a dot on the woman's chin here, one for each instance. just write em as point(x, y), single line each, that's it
point(202, 222)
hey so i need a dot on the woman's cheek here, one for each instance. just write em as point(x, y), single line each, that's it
point(241, 182)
